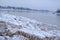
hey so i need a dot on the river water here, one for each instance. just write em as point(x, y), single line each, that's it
point(45, 17)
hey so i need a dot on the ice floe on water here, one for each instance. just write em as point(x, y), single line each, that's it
point(14, 27)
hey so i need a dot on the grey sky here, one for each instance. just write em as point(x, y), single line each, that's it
point(35, 4)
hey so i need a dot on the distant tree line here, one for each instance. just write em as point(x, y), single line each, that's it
point(58, 11)
point(19, 8)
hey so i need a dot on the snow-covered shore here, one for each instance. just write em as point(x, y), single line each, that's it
point(21, 28)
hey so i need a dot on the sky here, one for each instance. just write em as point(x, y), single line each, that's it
point(34, 4)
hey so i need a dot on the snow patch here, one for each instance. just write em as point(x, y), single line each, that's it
point(11, 26)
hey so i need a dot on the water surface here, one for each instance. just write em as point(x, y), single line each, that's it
point(45, 17)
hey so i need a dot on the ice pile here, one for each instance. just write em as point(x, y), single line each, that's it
point(21, 28)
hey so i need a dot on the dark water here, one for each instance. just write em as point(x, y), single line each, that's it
point(45, 17)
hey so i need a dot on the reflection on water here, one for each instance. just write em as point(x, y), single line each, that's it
point(45, 17)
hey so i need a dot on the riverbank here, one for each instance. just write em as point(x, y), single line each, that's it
point(21, 28)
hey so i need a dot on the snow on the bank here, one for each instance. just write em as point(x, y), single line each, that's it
point(27, 29)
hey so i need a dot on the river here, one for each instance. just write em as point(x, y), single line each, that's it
point(45, 17)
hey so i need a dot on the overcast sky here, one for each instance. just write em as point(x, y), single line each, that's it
point(35, 4)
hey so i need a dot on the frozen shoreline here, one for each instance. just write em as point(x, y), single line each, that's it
point(23, 28)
